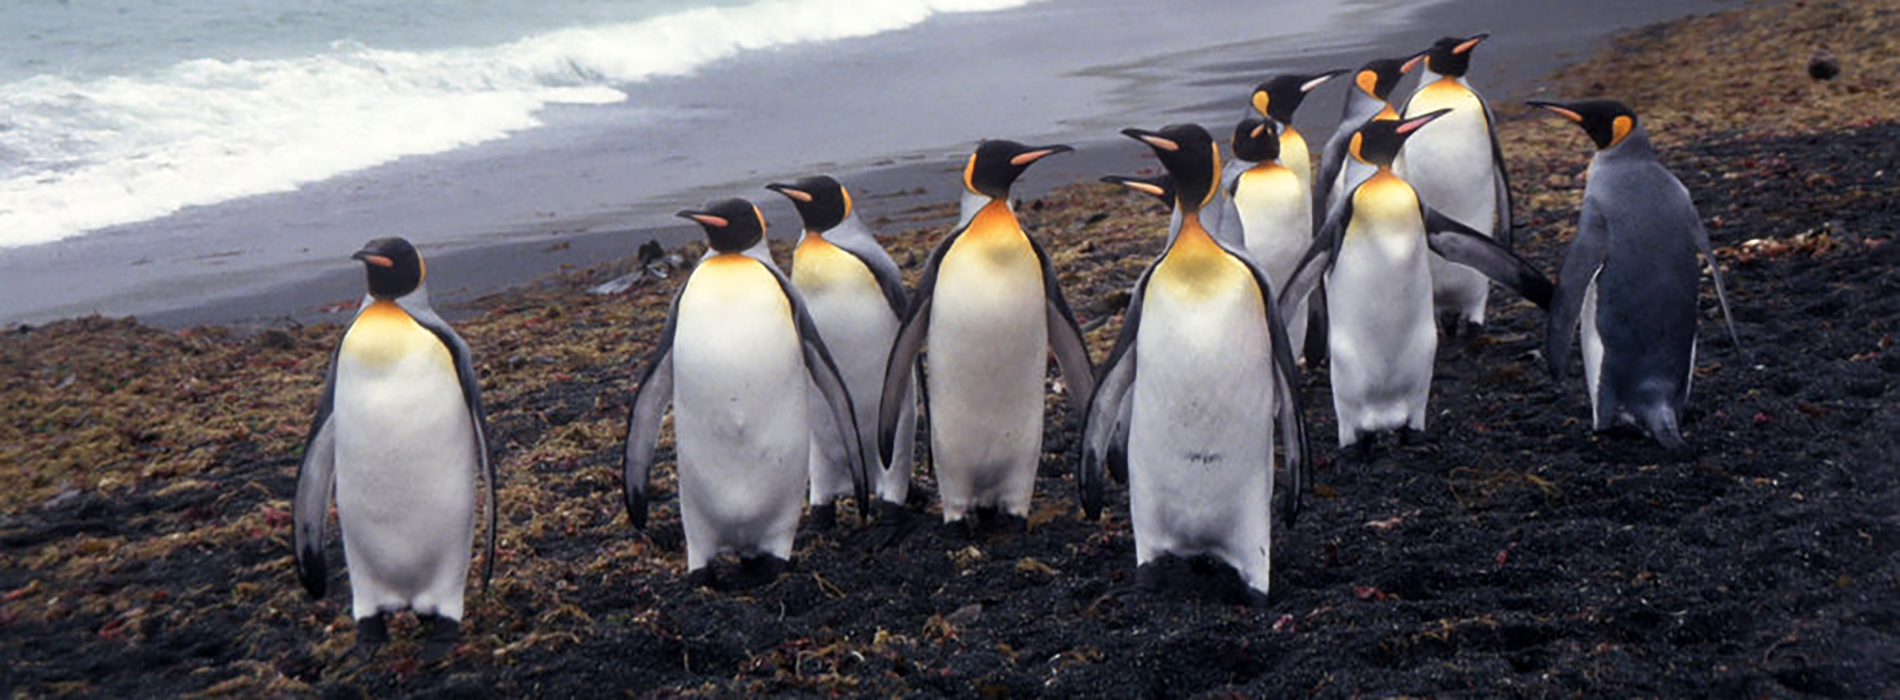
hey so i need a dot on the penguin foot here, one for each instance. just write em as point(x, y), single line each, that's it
point(1201, 577)
point(824, 517)
point(1453, 324)
point(702, 577)
point(440, 636)
point(371, 634)
point(1357, 454)
point(1411, 437)
point(758, 570)
point(894, 522)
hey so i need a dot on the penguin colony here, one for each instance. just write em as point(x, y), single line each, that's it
point(797, 390)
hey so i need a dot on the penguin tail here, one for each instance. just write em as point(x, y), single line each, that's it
point(1660, 420)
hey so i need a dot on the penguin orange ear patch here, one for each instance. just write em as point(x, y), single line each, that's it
point(1367, 81)
point(969, 172)
point(1260, 100)
point(1620, 128)
point(847, 199)
point(1358, 139)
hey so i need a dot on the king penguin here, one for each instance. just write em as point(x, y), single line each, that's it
point(1630, 277)
point(990, 310)
point(857, 299)
point(1201, 362)
point(735, 360)
point(1458, 169)
point(1277, 98)
point(401, 440)
point(1372, 255)
point(1372, 86)
point(1273, 212)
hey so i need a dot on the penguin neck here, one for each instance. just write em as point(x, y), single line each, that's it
point(1190, 238)
point(991, 217)
point(1635, 144)
point(1361, 106)
point(971, 203)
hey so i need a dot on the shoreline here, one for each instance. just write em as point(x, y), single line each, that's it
point(476, 262)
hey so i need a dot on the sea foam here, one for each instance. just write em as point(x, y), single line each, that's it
point(80, 154)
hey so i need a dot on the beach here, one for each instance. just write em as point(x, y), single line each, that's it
point(890, 114)
point(148, 464)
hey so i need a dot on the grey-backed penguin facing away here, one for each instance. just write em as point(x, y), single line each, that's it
point(1458, 169)
point(990, 311)
point(1191, 392)
point(856, 297)
point(1630, 278)
point(401, 440)
point(1372, 254)
point(735, 360)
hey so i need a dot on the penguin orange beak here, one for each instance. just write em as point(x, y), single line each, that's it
point(1136, 184)
point(704, 218)
point(1470, 44)
point(1318, 80)
point(1152, 139)
point(373, 259)
point(1413, 62)
point(1030, 156)
point(1558, 108)
point(790, 191)
point(1405, 128)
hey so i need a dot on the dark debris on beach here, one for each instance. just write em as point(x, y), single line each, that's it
point(144, 536)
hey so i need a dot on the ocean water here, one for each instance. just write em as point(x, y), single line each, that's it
point(120, 111)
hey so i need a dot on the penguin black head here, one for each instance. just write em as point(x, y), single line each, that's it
point(732, 225)
point(1279, 96)
point(1256, 140)
point(821, 201)
point(1192, 160)
point(1378, 77)
point(1606, 121)
point(1159, 186)
point(1378, 142)
point(395, 268)
point(1450, 56)
point(996, 164)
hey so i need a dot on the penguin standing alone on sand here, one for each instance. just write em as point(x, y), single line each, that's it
point(1201, 363)
point(401, 439)
point(735, 360)
point(1630, 277)
point(1372, 254)
point(856, 296)
point(1458, 169)
point(991, 311)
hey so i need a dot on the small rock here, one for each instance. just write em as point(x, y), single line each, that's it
point(1823, 65)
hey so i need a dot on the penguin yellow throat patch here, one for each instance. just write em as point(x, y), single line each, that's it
point(818, 265)
point(1385, 198)
point(384, 334)
point(995, 235)
point(1195, 267)
point(1387, 114)
point(1443, 93)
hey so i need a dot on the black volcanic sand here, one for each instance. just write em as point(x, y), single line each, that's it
point(1515, 553)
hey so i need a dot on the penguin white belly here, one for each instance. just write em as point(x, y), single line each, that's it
point(1593, 353)
point(1381, 339)
point(1276, 215)
point(1297, 158)
point(406, 467)
point(739, 412)
point(858, 326)
point(1201, 431)
point(1450, 166)
point(988, 355)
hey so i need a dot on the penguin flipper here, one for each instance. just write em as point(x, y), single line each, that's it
point(829, 382)
point(1582, 259)
point(472, 398)
point(650, 399)
point(1104, 432)
point(1318, 259)
point(1715, 271)
point(316, 480)
point(1503, 231)
point(905, 351)
point(1459, 243)
point(1065, 338)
